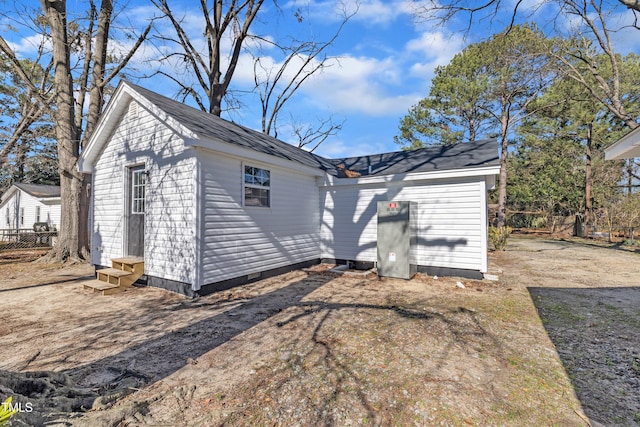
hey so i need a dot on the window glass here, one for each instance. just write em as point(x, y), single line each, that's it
point(257, 187)
point(138, 187)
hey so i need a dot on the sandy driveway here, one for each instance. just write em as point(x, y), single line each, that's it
point(553, 342)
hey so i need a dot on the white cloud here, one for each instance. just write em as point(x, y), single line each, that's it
point(374, 12)
point(359, 85)
point(436, 48)
point(528, 7)
point(27, 46)
point(382, 12)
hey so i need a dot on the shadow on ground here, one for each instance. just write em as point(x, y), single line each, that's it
point(105, 380)
point(595, 332)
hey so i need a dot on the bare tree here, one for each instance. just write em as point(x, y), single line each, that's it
point(311, 137)
point(212, 72)
point(276, 84)
point(213, 69)
point(69, 104)
point(582, 62)
point(444, 11)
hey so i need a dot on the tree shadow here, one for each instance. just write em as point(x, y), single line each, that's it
point(149, 360)
point(55, 282)
point(617, 246)
point(164, 358)
point(595, 332)
point(322, 349)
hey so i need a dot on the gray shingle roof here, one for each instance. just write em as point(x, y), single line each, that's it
point(428, 159)
point(39, 190)
point(458, 156)
point(211, 126)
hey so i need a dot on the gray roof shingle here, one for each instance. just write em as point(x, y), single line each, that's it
point(428, 159)
point(39, 190)
point(435, 158)
point(211, 126)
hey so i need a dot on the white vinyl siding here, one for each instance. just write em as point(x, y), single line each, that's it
point(239, 241)
point(451, 228)
point(169, 199)
point(50, 213)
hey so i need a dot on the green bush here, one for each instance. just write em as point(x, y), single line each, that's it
point(5, 412)
point(499, 236)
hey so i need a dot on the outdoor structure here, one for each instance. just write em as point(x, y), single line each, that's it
point(23, 205)
point(208, 204)
point(626, 147)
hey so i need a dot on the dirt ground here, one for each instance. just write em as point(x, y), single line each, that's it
point(553, 342)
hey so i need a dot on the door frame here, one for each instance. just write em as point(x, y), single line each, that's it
point(128, 196)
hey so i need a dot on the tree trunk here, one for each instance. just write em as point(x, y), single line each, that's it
point(73, 240)
point(96, 97)
point(502, 188)
point(587, 186)
point(629, 170)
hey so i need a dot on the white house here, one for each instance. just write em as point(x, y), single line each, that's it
point(209, 204)
point(23, 205)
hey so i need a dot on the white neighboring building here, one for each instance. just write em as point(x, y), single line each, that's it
point(625, 148)
point(23, 205)
point(209, 204)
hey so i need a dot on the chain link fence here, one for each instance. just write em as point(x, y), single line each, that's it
point(26, 238)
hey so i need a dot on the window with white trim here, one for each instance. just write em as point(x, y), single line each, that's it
point(21, 216)
point(37, 213)
point(257, 187)
point(138, 190)
point(8, 218)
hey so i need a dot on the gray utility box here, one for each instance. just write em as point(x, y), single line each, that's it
point(397, 225)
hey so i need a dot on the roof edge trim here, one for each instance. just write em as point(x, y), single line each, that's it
point(413, 176)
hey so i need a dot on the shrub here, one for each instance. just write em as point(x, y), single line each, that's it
point(499, 236)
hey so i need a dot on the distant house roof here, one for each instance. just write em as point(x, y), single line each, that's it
point(208, 126)
point(39, 190)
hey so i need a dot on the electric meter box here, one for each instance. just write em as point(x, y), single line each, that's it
point(397, 225)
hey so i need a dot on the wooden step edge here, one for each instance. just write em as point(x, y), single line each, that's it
point(104, 288)
point(114, 272)
point(97, 285)
point(128, 260)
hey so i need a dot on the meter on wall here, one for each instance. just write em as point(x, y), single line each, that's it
point(397, 239)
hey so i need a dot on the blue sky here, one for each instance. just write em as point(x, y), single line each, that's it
point(385, 59)
point(383, 64)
